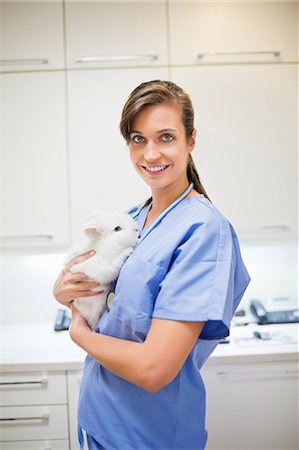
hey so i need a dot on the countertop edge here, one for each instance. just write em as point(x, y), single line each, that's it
point(213, 360)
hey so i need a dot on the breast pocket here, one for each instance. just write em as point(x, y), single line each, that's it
point(135, 294)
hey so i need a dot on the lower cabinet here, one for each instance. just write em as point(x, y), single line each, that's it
point(252, 405)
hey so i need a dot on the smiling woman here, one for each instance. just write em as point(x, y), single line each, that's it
point(174, 298)
point(158, 124)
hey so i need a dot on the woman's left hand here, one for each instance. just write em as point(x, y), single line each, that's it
point(78, 325)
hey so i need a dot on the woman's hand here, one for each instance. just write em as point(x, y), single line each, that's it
point(70, 286)
point(78, 325)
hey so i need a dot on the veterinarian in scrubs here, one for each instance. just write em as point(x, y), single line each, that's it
point(174, 298)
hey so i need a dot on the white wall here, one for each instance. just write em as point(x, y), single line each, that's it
point(28, 281)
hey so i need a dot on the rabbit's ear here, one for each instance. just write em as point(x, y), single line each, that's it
point(93, 232)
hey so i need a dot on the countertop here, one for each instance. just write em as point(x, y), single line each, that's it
point(38, 347)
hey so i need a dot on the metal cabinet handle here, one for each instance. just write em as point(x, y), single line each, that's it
point(22, 384)
point(242, 376)
point(31, 61)
point(275, 53)
point(39, 237)
point(104, 58)
point(18, 420)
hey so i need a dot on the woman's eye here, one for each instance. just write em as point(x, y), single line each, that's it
point(167, 137)
point(137, 139)
point(118, 228)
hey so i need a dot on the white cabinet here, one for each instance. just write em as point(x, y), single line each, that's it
point(109, 34)
point(31, 35)
point(252, 405)
point(35, 175)
point(246, 154)
point(233, 32)
point(33, 408)
point(101, 172)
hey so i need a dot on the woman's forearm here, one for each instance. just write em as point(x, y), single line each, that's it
point(123, 358)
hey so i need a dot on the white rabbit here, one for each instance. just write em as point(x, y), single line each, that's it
point(113, 236)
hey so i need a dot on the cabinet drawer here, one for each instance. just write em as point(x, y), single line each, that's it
point(58, 444)
point(32, 388)
point(33, 422)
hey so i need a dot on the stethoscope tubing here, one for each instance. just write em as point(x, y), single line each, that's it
point(162, 215)
point(151, 227)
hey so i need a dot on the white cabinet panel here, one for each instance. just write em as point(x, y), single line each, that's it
point(246, 154)
point(244, 31)
point(53, 444)
point(252, 406)
point(33, 423)
point(73, 383)
point(31, 36)
point(102, 175)
point(32, 388)
point(35, 195)
point(116, 34)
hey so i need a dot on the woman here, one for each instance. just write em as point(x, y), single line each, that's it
point(174, 297)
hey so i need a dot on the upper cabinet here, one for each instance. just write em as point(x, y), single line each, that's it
point(35, 200)
point(233, 32)
point(31, 35)
point(113, 34)
point(247, 144)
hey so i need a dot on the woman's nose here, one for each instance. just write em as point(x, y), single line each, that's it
point(151, 152)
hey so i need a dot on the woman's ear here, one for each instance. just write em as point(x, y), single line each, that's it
point(192, 140)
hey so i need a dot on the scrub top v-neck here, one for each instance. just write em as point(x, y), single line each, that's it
point(188, 267)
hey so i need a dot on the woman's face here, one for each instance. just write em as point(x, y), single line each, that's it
point(158, 147)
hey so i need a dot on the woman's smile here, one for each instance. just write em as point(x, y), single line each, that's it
point(155, 170)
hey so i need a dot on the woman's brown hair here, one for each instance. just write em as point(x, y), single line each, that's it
point(155, 92)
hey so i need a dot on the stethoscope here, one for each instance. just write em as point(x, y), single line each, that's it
point(147, 230)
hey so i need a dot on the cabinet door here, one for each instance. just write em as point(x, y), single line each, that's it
point(109, 34)
point(252, 406)
point(35, 199)
point(246, 152)
point(233, 32)
point(102, 176)
point(31, 36)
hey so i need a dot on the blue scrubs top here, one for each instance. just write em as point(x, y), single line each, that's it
point(189, 267)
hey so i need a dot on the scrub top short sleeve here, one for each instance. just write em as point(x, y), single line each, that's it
point(206, 279)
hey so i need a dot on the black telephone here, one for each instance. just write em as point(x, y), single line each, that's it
point(264, 316)
point(62, 321)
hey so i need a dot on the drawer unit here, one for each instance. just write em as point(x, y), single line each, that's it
point(20, 423)
point(33, 411)
point(32, 388)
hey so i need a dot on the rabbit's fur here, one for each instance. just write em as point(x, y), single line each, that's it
point(113, 236)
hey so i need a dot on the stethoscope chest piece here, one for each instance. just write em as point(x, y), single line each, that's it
point(109, 299)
